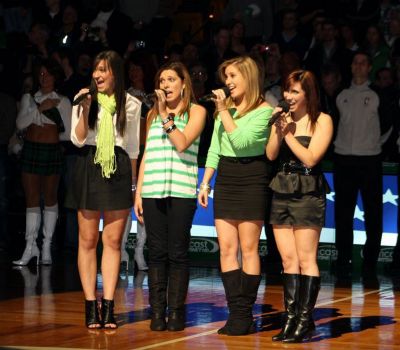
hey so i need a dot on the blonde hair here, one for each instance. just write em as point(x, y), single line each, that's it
point(248, 68)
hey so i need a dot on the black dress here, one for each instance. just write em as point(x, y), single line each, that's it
point(298, 192)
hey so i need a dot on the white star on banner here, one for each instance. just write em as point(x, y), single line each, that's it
point(358, 214)
point(329, 196)
point(389, 197)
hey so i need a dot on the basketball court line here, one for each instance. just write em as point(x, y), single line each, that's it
point(202, 334)
point(169, 342)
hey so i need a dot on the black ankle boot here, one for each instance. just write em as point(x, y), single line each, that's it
point(107, 314)
point(308, 293)
point(92, 314)
point(290, 296)
point(157, 279)
point(177, 290)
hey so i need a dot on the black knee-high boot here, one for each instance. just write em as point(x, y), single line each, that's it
point(308, 293)
point(291, 285)
point(158, 297)
point(231, 281)
point(249, 290)
point(177, 290)
point(241, 292)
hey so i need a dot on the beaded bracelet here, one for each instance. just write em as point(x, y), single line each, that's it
point(169, 118)
point(170, 129)
point(134, 187)
point(204, 186)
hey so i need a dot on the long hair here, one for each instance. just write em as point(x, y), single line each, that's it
point(250, 72)
point(309, 84)
point(187, 95)
point(115, 64)
point(53, 68)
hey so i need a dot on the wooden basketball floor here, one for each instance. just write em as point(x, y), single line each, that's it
point(42, 308)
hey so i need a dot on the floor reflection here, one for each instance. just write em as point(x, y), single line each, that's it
point(338, 327)
point(37, 287)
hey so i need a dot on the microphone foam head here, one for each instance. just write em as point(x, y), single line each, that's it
point(226, 91)
point(284, 105)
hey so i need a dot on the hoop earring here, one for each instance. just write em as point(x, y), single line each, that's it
point(182, 94)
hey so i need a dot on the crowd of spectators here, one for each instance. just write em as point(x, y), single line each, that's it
point(281, 35)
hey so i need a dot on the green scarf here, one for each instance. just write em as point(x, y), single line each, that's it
point(105, 136)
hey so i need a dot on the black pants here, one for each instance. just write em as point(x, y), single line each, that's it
point(168, 222)
point(353, 174)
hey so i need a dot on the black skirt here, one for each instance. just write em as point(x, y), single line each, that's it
point(241, 188)
point(90, 190)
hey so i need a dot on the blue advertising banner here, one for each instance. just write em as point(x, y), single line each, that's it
point(203, 223)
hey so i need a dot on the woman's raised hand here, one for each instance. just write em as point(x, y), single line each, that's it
point(161, 102)
point(49, 103)
point(220, 99)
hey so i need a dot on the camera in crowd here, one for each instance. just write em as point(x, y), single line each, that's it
point(140, 44)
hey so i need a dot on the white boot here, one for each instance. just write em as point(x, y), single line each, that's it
point(124, 253)
point(50, 215)
point(140, 240)
point(30, 280)
point(33, 217)
point(45, 275)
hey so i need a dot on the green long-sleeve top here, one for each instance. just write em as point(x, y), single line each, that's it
point(247, 140)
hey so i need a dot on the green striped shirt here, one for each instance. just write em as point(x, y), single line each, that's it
point(168, 173)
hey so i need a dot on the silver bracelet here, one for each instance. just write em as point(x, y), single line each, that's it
point(170, 117)
point(170, 129)
point(204, 186)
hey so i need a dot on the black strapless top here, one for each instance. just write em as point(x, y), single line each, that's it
point(294, 177)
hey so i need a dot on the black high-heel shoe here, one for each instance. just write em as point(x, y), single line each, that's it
point(92, 314)
point(107, 314)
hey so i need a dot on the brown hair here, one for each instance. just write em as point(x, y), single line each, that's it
point(53, 68)
point(187, 96)
point(309, 84)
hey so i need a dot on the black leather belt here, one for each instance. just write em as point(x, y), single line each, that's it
point(243, 160)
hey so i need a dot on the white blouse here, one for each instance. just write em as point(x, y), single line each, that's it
point(29, 113)
point(129, 142)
